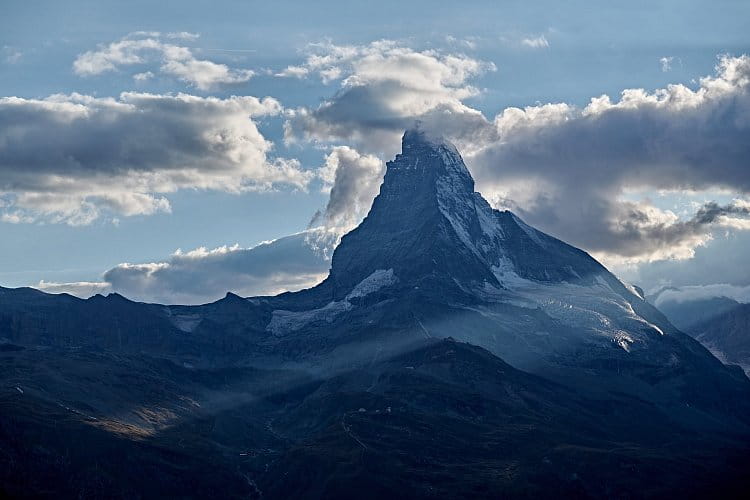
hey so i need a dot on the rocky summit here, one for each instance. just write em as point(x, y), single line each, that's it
point(453, 351)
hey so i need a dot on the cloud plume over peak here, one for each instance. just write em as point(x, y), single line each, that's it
point(352, 180)
point(384, 87)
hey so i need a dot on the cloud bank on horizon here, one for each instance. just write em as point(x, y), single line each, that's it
point(584, 174)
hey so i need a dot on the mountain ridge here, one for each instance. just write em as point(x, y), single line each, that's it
point(453, 350)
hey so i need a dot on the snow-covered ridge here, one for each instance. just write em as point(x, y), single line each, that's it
point(465, 209)
point(283, 322)
point(374, 282)
point(530, 231)
point(596, 312)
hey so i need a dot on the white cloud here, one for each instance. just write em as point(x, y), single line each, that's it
point(565, 169)
point(721, 260)
point(142, 77)
point(11, 55)
point(353, 180)
point(384, 88)
point(466, 43)
point(68, 158)
point(82, 289)
point(539, 42)
point(293, 72)
point(148, 47)
point(562, 168)
point(702, 292)
point(182, 35)
point(204, 275)
point(16, 217)
point(666, 63)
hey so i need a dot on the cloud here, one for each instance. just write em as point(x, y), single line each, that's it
point(568, 170)
point(202, 275)
point(384, 87)
point(16, 217)
point(467, 43)
point(290, 263)
point(539, 42)
point(11, 55)
point(666, 64)
point(353, 180)
point(79, 289)
point(68, 158)
point(733, 215)
point(574, 172)
point(293, 72)
point(142, 77)
point(701, 292)
point(142, 48)
point(183, 35)
point(722, 260)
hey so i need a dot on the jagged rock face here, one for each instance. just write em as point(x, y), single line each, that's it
point(428, 223)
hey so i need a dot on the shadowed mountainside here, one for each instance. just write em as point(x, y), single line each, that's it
point(452, 351)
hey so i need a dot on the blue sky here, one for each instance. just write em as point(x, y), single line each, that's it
point(491, 55)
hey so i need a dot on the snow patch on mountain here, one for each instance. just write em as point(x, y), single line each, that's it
point(597, 313)
point(456, 211)
point(507, 276)
point(374, 282)
point(186, 323)
point(283, 322)
point(530, 231)
point(487, 217)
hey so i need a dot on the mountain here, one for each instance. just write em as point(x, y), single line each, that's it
point(429, 224)
point(453, 350)
point(726, 334)
point(433, 258)
point(721, 324)
point(686, 312)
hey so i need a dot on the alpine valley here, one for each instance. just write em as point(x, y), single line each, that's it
point(453, 351)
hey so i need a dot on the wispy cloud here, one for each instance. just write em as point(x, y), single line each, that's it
point(666, 63)
point(701, 292)
point(11, 55)
point(538, 42)
point(143, 48)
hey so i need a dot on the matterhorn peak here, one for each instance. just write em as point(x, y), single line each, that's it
point(419, 135)
point(429, 225)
